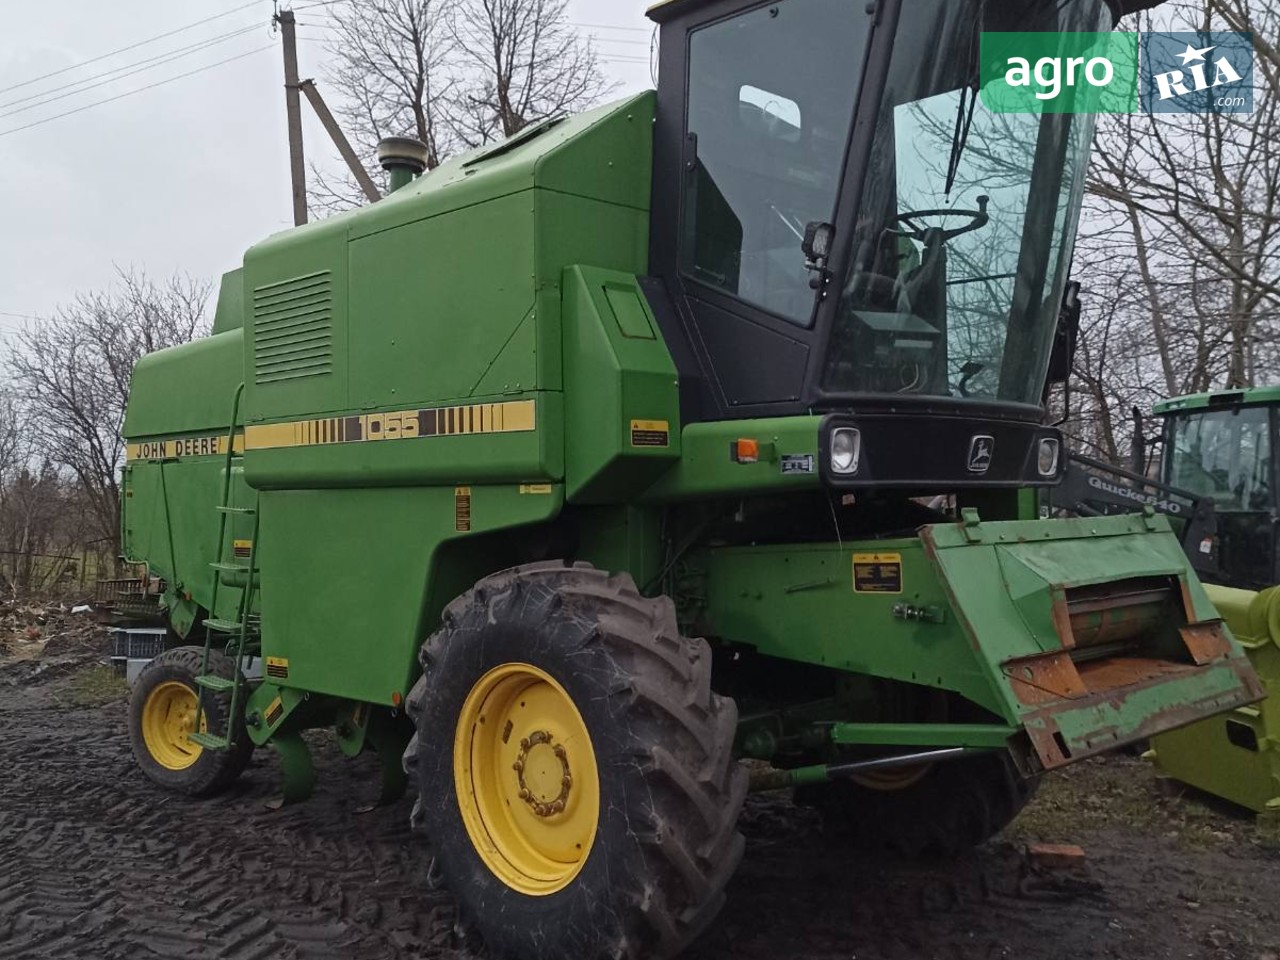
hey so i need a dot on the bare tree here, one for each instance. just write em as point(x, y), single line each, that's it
point(1262, 19)
point(453, 74)
point(523, 62)
point(72, 375)
point(1181, 250)
point(391, 67)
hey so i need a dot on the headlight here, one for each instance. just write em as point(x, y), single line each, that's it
point(1050, 452)
point(846, 450)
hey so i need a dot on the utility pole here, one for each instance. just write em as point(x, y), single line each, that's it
point(293, 105)
point(341, 142)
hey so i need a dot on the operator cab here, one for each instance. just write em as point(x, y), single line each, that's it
point(1223, 446)
point(841, 226)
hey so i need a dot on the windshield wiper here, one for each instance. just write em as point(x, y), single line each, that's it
point(968, 100)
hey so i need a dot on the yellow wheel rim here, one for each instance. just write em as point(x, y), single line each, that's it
point(526, 779)
point(168, 720)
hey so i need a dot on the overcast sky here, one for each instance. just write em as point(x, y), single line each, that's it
point(184, 176)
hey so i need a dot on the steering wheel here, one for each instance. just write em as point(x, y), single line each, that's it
point(920, 233)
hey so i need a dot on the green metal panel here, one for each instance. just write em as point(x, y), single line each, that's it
point(169, 522)
point(296, 344)
point(706, 468)
point(185, 389)
point(516, 363)
point(613, 164)
point(798, 602)
point(624, 428)
point(483, 175)
point(347, 578)
point(230, 309)
point(622, 538)
point(987, 735)
point(437, 301)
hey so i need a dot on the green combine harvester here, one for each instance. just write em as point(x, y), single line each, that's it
point(1223, 447)
point(759, 357)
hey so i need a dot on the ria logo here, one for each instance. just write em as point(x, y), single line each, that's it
point(981, 449)
point(1197, 72)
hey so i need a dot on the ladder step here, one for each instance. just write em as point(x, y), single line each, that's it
point(210, 741)
point(215, 683)
point(238, 511)
point(234, 568)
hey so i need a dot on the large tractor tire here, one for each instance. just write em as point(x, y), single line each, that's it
point(162, 715)
point(575, 771)
point(935, 810)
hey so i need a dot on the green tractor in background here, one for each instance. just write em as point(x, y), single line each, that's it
point(1222, 447)
point(760, 358)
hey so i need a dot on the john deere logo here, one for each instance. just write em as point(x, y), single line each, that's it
point(1197, 72)
point(981, 450)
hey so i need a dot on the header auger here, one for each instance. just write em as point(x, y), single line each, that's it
point(633, 419)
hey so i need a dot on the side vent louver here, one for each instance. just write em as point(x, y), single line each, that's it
point(293, 328)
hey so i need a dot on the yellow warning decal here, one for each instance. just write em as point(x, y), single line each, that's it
point(515, 416)
point(877, 573)
point(274, 711)
point(242, 548)
point(650, 433)
point(462, 509)
point(536, 489)
point(278, 668)
point(176, 448)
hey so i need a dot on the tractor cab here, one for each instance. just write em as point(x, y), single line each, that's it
point(842, 225)
point(1222, 446)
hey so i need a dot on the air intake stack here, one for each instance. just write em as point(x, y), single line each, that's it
point(404, 158)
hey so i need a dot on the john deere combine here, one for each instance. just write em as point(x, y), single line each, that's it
point(760, 358)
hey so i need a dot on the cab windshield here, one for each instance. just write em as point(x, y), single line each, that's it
point(1226, 455)
point(963, 241)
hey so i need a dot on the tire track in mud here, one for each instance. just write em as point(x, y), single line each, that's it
point(96, 863)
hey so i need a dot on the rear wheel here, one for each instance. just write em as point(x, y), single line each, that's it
point(575, 770)
point(938, 809)
point(163, 710)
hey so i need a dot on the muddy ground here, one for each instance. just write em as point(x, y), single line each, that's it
point(96, 863)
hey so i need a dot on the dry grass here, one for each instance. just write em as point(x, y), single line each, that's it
point(95, 686)
point(1128, 792)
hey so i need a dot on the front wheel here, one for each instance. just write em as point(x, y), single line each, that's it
point(575, 771)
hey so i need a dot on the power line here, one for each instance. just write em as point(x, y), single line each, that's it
point(132, 46)
point(609, 26)
point(634, 43)
point(141, 66)
point(129, 93)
